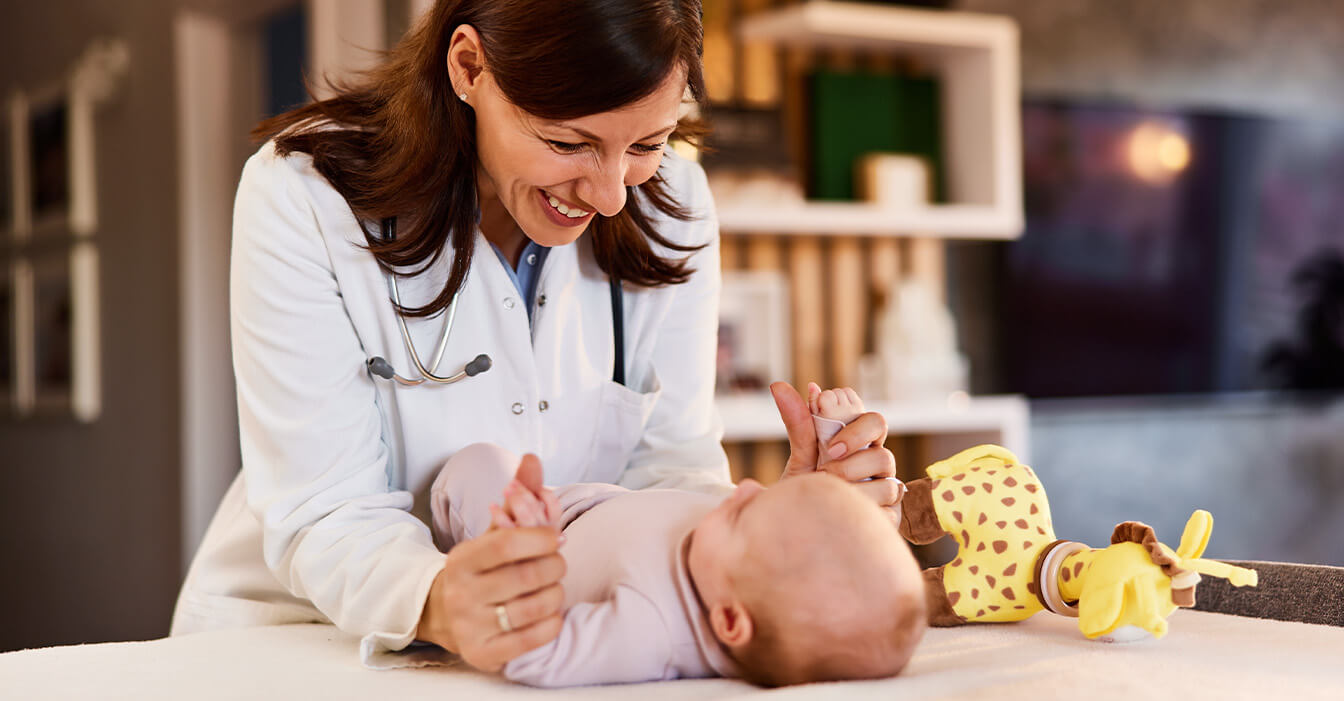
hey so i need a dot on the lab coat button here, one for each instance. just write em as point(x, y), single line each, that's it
point(508, 303)
point(517, 407)
point(541, 300)
point(531, 259)
point(543, 406)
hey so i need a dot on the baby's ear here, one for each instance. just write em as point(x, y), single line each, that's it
point(731, 623)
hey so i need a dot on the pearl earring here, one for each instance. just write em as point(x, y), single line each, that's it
point(463, 96)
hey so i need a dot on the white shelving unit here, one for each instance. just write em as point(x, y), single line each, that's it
point(976, 58)
point(1000, 419)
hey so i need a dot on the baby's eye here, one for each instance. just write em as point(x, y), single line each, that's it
point(565, 147)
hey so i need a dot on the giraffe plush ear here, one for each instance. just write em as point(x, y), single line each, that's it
point(1196, 536)
point(1099, 608)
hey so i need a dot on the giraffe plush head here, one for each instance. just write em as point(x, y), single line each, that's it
point(1139, 582)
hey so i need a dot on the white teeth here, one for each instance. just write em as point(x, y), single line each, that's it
point(571, 212)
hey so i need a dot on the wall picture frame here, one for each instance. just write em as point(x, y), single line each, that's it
point(753, 347)
point(49, 253)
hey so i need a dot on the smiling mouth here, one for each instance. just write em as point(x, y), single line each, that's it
point(563, 208)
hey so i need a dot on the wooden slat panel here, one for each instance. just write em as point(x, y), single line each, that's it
point(720, 50)
point(759, 84)
point(846, 309)
point(927, 263)
point(739, 464)
point(806, 294)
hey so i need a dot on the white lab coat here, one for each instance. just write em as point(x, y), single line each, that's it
point(327, 521)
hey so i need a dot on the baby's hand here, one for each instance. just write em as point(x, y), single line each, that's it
point(841, 404)
point(526, 503)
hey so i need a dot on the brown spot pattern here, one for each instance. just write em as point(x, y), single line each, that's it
point(956, 514)
point(975, 569)
point(981, 547)
point(1010, 482)
point(1077, 568)
point(979, 613)
point(975, 593)
point(990, 578)
point(968, 490)
point(1026, 545)
point(953, 596)
point(1000, 546)
point(948, 495)
point(1040, 530)
point(1035, 510)
point(1022, 523)
point(959, 476)
point(1009, 594)
point(1019, 606)
point(989, 488)
point(1009, 501)
point(982, 520)
point(1064, 574)
point(1011, 569)
point(1001, 524)
point(992, 607)
point(965, 537)
point(956, 562)
point(1030, 488)
point(1031, 588)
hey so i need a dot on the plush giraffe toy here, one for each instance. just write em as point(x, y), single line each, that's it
point(1009, 565)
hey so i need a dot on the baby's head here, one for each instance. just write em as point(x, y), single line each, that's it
point(807, 581)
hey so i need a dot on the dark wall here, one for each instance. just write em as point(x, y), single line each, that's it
point(89, 514)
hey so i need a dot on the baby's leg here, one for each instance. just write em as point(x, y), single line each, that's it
point(468, 483)
point(831, 411)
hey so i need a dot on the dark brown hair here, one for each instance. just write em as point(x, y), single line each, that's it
point(400, 144)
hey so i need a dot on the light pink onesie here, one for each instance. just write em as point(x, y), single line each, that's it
point(632, 614)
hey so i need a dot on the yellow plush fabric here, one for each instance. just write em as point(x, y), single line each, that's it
point(996, 510)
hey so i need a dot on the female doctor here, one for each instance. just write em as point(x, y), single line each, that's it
point(386, 239)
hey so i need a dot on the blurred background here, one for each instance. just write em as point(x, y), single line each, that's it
point(1109, 235)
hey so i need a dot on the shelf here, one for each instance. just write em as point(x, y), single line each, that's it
point(753, 417)
point(975, 58)
point(848, 25)
point(860, 219)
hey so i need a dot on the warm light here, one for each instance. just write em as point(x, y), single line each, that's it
point(1157, 152)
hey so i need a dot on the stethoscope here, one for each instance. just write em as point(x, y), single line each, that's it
point(379, 367)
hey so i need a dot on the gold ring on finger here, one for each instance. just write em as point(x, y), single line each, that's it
point(502, 615)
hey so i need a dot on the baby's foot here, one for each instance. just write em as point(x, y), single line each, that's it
point(841, 404)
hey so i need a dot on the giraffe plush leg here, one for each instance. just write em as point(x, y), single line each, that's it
point(938, 601)
point(919, 521)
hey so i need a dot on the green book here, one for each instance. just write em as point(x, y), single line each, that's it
point(859, 113)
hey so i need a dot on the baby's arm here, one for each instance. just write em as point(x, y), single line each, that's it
point(620, 640)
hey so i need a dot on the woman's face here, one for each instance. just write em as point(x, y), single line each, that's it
point(553, 176)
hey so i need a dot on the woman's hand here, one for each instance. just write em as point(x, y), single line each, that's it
point(516, 567)
point(857, 451)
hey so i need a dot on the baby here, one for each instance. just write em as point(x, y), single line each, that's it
point(805, 581)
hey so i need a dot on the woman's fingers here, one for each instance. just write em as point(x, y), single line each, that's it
point(497, 548)
point(519, 578)
point(876, 462)
point(868, 429)
point(883, 492)
point(531, 608)
point(499, 650)
point(499, 519)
